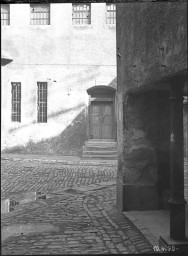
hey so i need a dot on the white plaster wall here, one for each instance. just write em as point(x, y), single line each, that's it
point(70, 58)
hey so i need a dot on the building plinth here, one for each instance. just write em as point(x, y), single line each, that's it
point(168, 244)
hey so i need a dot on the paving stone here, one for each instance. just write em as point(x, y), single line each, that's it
point(73, 242)
point(87, 222)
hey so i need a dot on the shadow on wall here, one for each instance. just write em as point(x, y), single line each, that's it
point(69, 142)
point(113, 83)
point(53, 115)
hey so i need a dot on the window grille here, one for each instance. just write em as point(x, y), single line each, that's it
point(42, 102)
point(110, 13)
point(40, 14)
point(16, 102)
point(81, 14)
point(5, 14)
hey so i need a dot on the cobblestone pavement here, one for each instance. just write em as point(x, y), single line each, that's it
point(28, 175)
point(79, 217)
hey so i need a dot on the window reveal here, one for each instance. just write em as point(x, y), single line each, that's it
point(5, 14)
point(42, 102)
point(40, 14)
point(16, 102)
point(81, 14)
point(110, 13)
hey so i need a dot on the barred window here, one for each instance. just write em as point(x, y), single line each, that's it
point(16, 102)
point(81, 14)
point(40, 14)
point(5, 14)
point(42, 102)
point(111, 13)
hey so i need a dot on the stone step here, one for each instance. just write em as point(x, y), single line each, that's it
point(99, 148)
point(107, 157)
point(101, 144)
point(85, 152)
point(102, 140)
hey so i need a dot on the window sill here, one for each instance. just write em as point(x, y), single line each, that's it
point(39, 26)
point(5, 26)
point(41, 123)
point(110, 25)
point(82, 26)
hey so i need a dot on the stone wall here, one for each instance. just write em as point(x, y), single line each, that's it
point(144, 163)
point(151, 42)
point(151, 47)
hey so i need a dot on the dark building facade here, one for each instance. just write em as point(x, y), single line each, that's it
point(151, 59)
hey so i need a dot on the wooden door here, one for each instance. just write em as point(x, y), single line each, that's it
point(106, 124)
point(95, 129)
point(101, 123)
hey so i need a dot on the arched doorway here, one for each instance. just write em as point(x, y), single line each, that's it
point(101, 113)
point(101, 125)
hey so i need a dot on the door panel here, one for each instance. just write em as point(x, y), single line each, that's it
point(95, 121)
point(101, 121)
point(107, 121)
